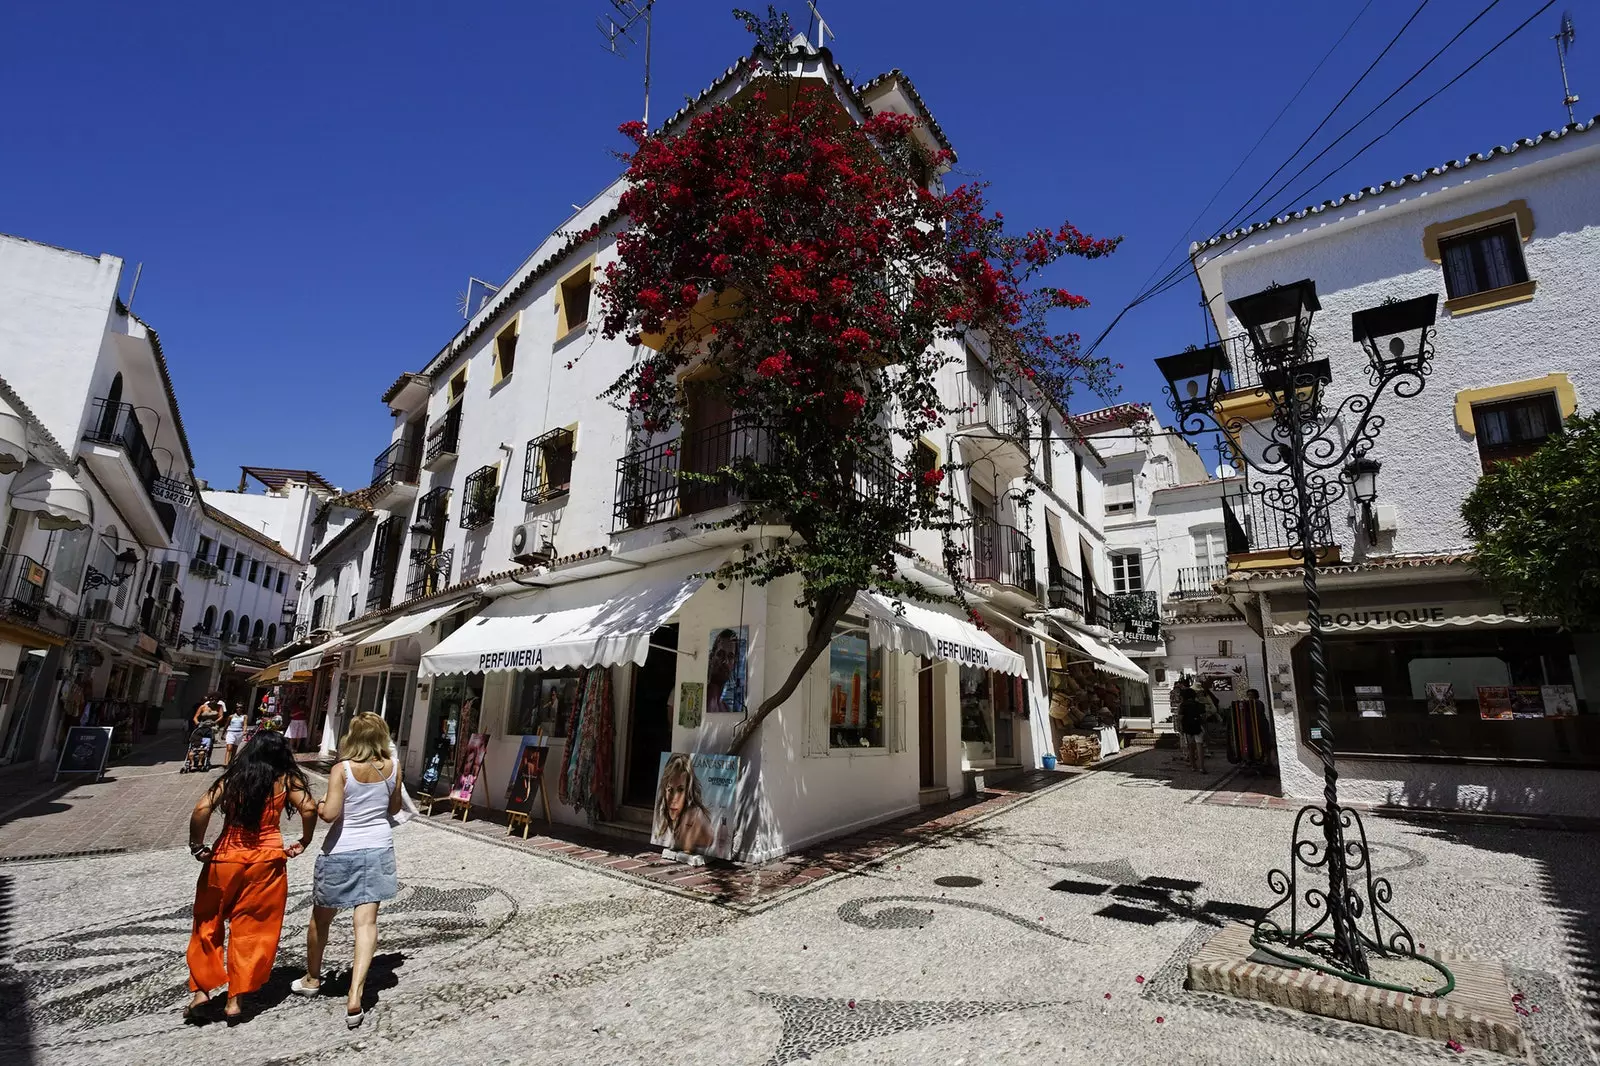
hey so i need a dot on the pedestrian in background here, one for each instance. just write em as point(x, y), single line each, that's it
point(233, 729)
point(356, 870)
point(209, 715)
point(1192, 722)
point(243, 887)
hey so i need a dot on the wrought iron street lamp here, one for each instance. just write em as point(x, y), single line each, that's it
point(123, 566)
point(1309, 453)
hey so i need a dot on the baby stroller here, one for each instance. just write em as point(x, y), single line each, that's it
point(198, 757)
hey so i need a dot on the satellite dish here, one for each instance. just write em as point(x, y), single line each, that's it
point(1223, 470)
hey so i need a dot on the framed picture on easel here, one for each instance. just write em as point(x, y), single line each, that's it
point(527, 783)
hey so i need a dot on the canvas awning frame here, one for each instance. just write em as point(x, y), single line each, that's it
point(916, 629)
point(1102, 656)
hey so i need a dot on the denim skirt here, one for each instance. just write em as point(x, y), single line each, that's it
point(346, 879)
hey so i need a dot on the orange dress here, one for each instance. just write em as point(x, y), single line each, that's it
point(240, 899)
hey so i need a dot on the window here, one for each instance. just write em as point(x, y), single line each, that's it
point(319, 608)
point(1482, 260)
point(505, 351)
point(573, 296)
point(266, 578)
point(1119, 494)
point(1046, 459)
point(458, 385)
point(925, 461)
point(481, 489)
point(280, 580)
point(255, 571)
point(272, 636)
point(547, 467)
point(1077, 477)
point(203, 552)
point(1210, 546)
point(244, 628)
point(239, 560)
point(226, 633)
point(258, 633)
point(222, 557)
point(542, 703)
point(1514, 429)
point(855, 689)
point(1127, 572)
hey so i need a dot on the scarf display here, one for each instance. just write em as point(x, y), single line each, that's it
point(586, 782)
point(1247, 732)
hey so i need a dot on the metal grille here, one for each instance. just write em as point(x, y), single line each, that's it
point(385, 560)
point(547, 467)
point(395, 465)
point(444, 435)
point(649, 488)
point(22, 584)
point(430, 572)
point(1001, 554)
point(477, 508)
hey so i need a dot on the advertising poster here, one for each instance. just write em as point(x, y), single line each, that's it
point(86, 750)
point(1559, 700)
point(1527, 701)
point(691, 704)
point(725, 670)
point(1441, 697)
point(1369, 701)
point(470, 766)
point(1226, 674)
point(847, 681)
point(1494, 703)
point(526, 774)
point(694, 812)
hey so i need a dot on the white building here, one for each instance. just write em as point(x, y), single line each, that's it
point(1442, 694)
point(100, 502)
point(1165, 538)
point(509, 489)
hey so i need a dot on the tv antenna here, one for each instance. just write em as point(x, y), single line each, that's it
point(1564, 39)
point(823, 32)
point(631, 13)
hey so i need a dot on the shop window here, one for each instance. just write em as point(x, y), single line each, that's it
point(1119, 494)
point(1127, 572)
point(505, 350)
point(572, 297)
point(1508, 694)
point(856, 716)
point(977, 714)
point(1514, 429)
point(543, 703)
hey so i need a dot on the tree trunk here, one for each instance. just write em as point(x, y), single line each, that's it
point(830, 610)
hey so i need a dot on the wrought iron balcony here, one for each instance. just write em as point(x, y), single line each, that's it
point(385, 561)
point(547, 467)
point(649, 486)
point(1066, 591)
point(430, 573)
point(1194, 582)
point(117, 425)
point(1136, 614)
point(444, 437)
point(1249, 525)
point(479, 496)
point(1097, 609)
point(983, 401)
point(1001, 554)
point(22, 585)
point(395, 465)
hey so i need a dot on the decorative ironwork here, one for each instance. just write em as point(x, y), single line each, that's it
point(444, 436)
point(430, 573)
point(22, 584)
point(479, 492)
point(395, 465)
point(650, 482)
point(117, 424)
point(1296, 458)
point(1066, 591)
point(1001, 554)
point(982, 400)
point(1196, 581)
point(385, 561)
point(547, 467)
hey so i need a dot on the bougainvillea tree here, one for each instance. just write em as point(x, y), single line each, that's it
point(792, 259)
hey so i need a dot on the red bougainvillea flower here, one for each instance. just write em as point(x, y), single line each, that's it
point(853, 401)
point(932, 478)
point(773, 365)
point(855, 338)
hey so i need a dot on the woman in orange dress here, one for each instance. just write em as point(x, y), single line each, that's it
point(243, 886)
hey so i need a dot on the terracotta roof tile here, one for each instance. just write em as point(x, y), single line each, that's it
point(227, 521)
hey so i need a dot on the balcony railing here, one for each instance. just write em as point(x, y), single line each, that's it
point(649, 488)
point(395, 465)
point(203, 569)
point(117, 424)
point(987, 402)
point(479, 496)
point(1136, 614)
point(385, 561)
point(22, 585)
point(430, 573)
point(1097, 609)
point(1249, 525)
point(444, 436)
point(547, 467)
point(1066, 591)
point(1001, 554)
point(1195, 581)
point(433, 509)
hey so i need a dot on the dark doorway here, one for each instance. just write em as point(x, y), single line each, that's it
point(650, 723)
point(925, 722)
point(1004, 718)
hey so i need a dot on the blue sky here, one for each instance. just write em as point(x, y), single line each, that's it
point(309, 186)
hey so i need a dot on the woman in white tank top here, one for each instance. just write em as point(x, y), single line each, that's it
point(356, 869)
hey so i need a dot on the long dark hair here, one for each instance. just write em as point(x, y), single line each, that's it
point(252, 776)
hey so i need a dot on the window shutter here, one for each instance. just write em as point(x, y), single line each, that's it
point(1119, 493)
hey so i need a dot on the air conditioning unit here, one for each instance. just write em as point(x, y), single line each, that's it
point(82, 629)
point(531, 542)
point(99, 610)
point(222, 578)
point(169, 572)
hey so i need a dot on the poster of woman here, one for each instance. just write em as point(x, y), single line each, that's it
point(694, 812)
point(725, 670)
point(527, 775)
point(470, 766)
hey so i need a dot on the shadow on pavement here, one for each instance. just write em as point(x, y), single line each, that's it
point(16, 1034)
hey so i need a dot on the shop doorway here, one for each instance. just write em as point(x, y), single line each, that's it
point(925, 736)
point(1005, 733)
point(650, 717)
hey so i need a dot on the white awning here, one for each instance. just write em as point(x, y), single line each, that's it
point(1460, 621)
point(915, 629)
point(410, 624)
point(603, 621)
point(312, 658)
point(1106, 659)
point(13, 440)
point(60, 501)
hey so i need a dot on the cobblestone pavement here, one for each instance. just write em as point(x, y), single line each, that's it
point(1018, 938)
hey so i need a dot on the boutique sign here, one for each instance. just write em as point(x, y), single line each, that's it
point(517, 659)
point(965, 654)
point(1373, 616)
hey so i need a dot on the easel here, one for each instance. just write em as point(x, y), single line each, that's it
point(523, 818)
point(462, 807)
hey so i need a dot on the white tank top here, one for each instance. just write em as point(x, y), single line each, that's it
point(365, 822)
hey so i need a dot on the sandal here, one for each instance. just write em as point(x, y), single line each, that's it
point(353, 1021)
point(191, 1013)
point(300, 988)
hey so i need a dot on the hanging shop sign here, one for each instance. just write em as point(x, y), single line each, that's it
point(172, 491)
point(34, 574)
point(207, 644)
point(372, 653)
point(147, 643)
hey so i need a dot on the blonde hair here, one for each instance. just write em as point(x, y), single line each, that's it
point(366, 739)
